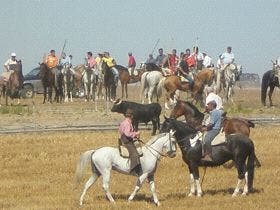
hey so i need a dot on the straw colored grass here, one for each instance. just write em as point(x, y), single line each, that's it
point(37, 172)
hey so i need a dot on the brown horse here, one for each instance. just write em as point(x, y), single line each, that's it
point(173, 83)
point(125, 78)
point(12, 87)
point(195, 118)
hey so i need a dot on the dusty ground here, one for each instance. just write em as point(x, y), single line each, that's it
point(37, 172)
point(37, 169)
point(33, 113)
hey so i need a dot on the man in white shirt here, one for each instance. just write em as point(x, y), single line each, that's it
point(211, 96)
point(10, 63)
point(207, 61)
point(9, 66)
point(227, 57)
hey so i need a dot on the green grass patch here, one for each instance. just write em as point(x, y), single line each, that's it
point(15, 109)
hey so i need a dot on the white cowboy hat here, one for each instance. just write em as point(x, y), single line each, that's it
point(13, 54)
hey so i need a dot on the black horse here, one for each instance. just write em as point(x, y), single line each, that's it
point(237, 148)
point(268, 80)
point(48, 81)
point(109, 82)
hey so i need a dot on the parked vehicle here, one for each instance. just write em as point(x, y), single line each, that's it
point(32, 84)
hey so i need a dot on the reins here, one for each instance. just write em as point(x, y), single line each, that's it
point(151, 149)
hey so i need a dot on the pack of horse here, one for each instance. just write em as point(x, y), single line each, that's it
point(154, 82)
point(90, 81)
point(237, 147)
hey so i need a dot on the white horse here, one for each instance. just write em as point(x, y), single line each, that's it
point(104, 159)
point(89, 82)
point(68, 83)
point(149, 83)
point(226, 79)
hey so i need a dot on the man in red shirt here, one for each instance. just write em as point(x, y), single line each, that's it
point(190, 59)
point(131, 63)
point(173, 61)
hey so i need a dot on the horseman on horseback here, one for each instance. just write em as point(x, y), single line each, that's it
point(9, 67)
point(52, 63)
point(127, 136)
point(111, 64)
point(183, 71)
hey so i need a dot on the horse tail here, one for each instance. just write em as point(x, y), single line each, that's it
point(160, 87)
point(251, 167)
point(81, 165)
point(264, 86)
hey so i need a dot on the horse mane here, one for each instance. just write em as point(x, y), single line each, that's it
point(120, 67)
point(154, 138)
point(152, 67)
point(184, 128)
point(197, 113)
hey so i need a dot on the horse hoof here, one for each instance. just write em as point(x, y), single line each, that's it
point(199, 195)
point(234, 194)
point(157, 203)
point(244, 193)
point(190, 194)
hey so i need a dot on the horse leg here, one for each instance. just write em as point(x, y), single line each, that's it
point(86, 92)
point(126, 90)
point(153, 189)
point(192, 186)
point(271, 89)
point(88, 184)
point(91, 92)
point(105, 185)
point(240, 165)
point(194, 169)
point(167, 96)
point(154, 126)
point(139, 183)
point(122, 89)
point(65, 91)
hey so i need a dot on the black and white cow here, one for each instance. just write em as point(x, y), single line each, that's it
point(141, 112)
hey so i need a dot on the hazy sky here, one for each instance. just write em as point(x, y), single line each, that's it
point(33, 27)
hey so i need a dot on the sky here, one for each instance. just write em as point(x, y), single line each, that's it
point(31, 28)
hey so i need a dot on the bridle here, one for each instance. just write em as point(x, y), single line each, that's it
point(152, 150)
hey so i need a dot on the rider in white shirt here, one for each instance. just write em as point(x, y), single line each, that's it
point(227, 57)
point(207, 61)
point(211, 96)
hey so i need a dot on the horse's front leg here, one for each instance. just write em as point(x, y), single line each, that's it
point(126, 91)
point(65, 91)
point(153, 189)
point(86, 92)
point(271, 89)
point(122, 89)
point(192, 186)
point(138, 186)
point(194, 169)
point(91, 92)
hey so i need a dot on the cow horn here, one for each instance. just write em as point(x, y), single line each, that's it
point(118, 101)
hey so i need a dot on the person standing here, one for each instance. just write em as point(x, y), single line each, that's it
point(131, 63)
point(198, 58)
point(127, 136)
point(190, 59)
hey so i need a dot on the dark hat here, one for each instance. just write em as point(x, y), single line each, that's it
point(129, 113)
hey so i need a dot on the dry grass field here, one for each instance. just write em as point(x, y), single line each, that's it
point(37, 170)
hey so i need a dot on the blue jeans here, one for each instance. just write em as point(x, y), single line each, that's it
point(209, 137)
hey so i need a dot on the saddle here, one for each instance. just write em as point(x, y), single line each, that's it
point(124, 152)
point(219, 139)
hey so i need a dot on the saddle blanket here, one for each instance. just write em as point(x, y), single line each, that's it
point(219, 139)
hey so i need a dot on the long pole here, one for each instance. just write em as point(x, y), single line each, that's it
point(63, 48)
point(155, 46)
